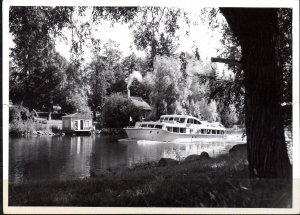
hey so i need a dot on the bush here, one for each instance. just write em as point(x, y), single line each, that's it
point(229, 116)
point(17, 127)
point(117, 111)
point(21, 121)
point(18, 112)
point(22, 127)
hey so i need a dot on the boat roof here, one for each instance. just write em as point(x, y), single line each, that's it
point(78, 116)
point(179, 115)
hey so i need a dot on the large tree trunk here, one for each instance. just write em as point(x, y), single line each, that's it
point(257, 32)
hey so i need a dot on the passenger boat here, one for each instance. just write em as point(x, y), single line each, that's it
point(175, 128)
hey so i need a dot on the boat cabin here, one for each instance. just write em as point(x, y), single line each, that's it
point(180, 128)
point(77, 123)
point(190, 124)
point(180, 119)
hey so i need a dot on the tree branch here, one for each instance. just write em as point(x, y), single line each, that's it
point(227, 61)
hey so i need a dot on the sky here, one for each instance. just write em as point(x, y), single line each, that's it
point(201, 36)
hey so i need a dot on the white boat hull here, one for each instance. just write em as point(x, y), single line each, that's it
point(153, 134)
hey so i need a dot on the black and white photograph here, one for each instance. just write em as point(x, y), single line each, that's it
point(169, 108)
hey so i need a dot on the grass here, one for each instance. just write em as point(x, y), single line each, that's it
point(23, 127)
point(215, 182)
point(30, 126)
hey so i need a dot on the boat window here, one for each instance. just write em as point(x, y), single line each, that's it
point(143, 125)
point(190, 120)
point(150, 125)
point(208, 131)
point(171, 118)
point(182, 130)
point(213, 131)
point(158, 126)
point(176, 119)
point(175, 129)
point(194, 121)
point(218, 132)
point(169, 129)
point(181, 120)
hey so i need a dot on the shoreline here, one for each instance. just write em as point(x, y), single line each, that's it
point(47, 132)
point(104, 131)
point(198, 181)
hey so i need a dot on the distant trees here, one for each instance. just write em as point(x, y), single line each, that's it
point(35, 68)
point(117, 111)
point(165, 79)
point(170, 85)
point(229, 116)
point(97, 81)
point(155, 30)
point(178, 89)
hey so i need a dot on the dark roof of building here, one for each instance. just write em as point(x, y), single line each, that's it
point(139, 102)
point(79, 116)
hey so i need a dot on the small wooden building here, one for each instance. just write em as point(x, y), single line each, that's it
point(77, 123)
point(142, 105)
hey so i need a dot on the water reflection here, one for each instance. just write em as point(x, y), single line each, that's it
point(67, 158)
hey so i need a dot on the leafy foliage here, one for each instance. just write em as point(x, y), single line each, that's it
point(19, 113)
point(21, 121)
point(285, 31)
point(165, 89)
point(232, 90)
point(77, 102)
point(171, 84)
point(35, 67)
point(117, 111)
point(155, 29)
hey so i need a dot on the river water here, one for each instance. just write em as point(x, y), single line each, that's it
point(73, 157)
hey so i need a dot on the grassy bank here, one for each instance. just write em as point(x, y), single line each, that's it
point(212, 182)
point(25, 127)
point(32, 127)
point(22, 122)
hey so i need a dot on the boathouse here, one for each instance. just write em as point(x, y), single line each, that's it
point(77, 123)
point(142, 105)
